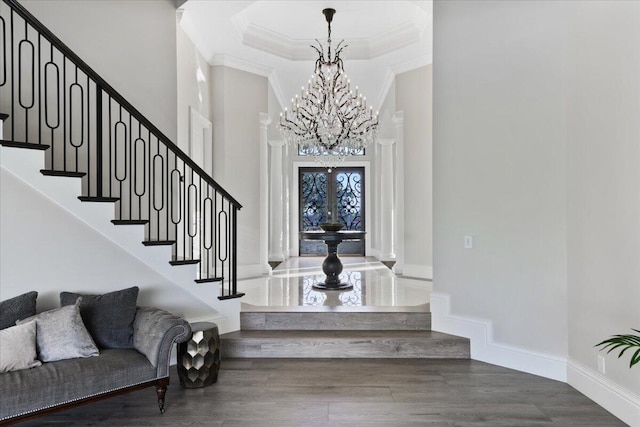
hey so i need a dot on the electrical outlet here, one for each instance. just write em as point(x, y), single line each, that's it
point(601, 367)
point(468, 242)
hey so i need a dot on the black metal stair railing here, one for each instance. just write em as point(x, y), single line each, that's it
point(57, 103)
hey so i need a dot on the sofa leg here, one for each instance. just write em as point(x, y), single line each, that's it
point(161, 390)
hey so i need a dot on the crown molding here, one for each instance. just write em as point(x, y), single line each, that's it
point(241, 64)
point(393, 71)
point(393, 39)
point(267, 40)
point(412, 64)
point(254, 68)
point(384, 89)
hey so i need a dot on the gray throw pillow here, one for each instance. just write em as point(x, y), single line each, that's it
point(60, 334)
point(17, 308)
point(18, 348)
point(109, 317)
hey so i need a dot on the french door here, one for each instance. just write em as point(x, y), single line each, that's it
point(336, 196)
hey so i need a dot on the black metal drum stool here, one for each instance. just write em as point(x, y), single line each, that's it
point(199, 357)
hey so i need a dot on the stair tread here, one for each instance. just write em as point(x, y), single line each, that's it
point(338, 334)
point(71, 174)
point(231, 296)
point(209, 280)
point(98, 199)
point(184, 261)
point(337, 320)
point(129, 221)
point(367, 344)
point(29, 146)
point(158, 242)
point(250, 308)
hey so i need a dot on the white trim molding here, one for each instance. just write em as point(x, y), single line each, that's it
point(263, 122)
point(240, 64)
point(416, 271)
point(485, 349)
point(250, 271)
point(619, 401)
point(295, 201)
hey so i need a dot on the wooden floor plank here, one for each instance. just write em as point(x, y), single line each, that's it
point(351, 393)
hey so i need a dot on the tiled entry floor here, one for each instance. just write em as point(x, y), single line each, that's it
point(374, 285)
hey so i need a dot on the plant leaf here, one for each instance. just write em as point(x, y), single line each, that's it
point(624, 343)
point(635, 358)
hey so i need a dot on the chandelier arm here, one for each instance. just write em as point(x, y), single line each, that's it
point(320, 56)
point(307, 115)
point(328, 120)
point(321, 53)
point(339, 50)
point(367, 127)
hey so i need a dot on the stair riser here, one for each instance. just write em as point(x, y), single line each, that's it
point(345, 348)
point(335, 321)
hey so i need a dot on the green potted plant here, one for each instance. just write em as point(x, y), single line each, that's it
point(626, 342)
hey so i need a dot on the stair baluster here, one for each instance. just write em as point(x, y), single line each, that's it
point(56, 102)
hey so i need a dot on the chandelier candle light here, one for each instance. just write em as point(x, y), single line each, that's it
point(329, 120)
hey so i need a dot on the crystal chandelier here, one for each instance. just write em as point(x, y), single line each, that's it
point(328, 119)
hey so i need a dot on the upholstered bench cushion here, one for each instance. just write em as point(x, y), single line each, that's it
point(31, 389)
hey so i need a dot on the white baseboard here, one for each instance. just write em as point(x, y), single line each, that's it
point(247, 271)
point(385, 256)
point(619, 401)
point(418, 271)
point(276, 257)
point(485, 349)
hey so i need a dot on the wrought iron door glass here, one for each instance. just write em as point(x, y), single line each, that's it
point(322, 192)
point(348, 193)
point(314, 196)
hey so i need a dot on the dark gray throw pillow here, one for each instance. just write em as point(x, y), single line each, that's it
point(17, 308)
point(108, 317)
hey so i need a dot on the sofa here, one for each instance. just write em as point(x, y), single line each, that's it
point(44, 387)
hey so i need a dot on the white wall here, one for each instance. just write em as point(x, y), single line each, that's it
point(603, 142)
point(46, 249)
point(414, 99)
point(238, 98)
point(131, 44)
point(536, 149)
point(193, 86)
point(499, 167)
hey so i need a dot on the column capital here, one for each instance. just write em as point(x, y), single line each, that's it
point(398, 118)
point(265, 120)
point(385, 142)
point(276, 143)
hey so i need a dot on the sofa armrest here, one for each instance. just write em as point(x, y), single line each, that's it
point(154, 332)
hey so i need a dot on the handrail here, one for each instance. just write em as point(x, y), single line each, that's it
point(57, 103)
point(47, 34)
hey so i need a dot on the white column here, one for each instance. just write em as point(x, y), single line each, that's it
point(287, 200)
point(398, 119)
point(265, 120)
point(276, 207)
point(386, 200)
point(375, 184)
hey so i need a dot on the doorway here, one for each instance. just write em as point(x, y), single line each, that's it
point(331, 196)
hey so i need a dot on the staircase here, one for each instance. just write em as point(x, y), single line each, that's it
point(340, 332)
point(61, 119)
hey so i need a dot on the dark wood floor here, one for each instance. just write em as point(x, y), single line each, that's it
point(351, 393)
